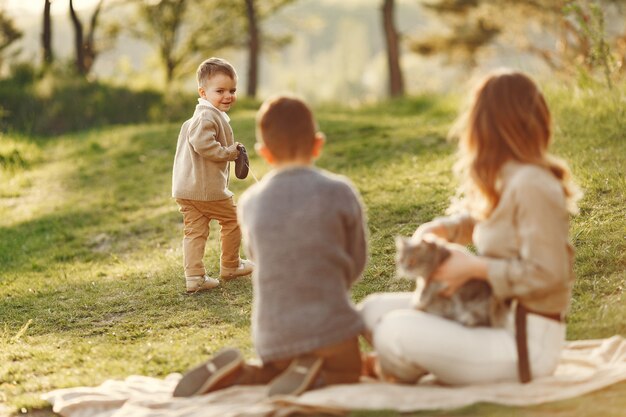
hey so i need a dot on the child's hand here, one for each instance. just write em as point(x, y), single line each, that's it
point(233, 151)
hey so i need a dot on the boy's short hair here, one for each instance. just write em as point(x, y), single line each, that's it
point(209, 67)
point(287, 127)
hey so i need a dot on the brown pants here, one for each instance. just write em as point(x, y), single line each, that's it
point(342, 365)
point(196, 218)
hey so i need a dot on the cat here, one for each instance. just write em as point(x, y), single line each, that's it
point(471, 305)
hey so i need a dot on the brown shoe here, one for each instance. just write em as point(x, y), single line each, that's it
point(200, 283)
point(245, 268)
point(298, 377)
point(211, 375)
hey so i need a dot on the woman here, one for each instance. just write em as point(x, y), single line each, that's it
point(514, 206)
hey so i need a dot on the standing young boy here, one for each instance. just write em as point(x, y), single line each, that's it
point(200, 177)
point(304, 228)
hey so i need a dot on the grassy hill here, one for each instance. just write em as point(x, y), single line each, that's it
point(91, 283)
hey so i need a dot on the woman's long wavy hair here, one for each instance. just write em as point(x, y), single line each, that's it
point(508, 119)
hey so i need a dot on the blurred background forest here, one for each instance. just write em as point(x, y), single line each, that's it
point(72, 64)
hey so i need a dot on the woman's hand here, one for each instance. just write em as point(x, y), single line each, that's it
point(460, 267)
point(431, 228)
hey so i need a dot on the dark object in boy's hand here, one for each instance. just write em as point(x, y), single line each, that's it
point(241, 163)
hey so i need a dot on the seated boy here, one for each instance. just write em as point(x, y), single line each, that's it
point(305, 231)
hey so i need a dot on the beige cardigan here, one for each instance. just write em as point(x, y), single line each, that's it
point(201, 168)
point(525, 239)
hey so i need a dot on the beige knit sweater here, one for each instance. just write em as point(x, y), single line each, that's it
point(201, 167)
point(525, 239)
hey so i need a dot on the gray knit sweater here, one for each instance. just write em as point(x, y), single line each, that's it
point(305, 230)
point(201, 168)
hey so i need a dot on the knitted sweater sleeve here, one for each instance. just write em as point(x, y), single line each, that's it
point(459, 227)
point(357, 236)
point(203, 139)
point(541, 226)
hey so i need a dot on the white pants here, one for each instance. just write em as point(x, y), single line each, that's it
point(410, 343)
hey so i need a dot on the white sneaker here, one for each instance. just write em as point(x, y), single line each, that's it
point(245, 268)
point(201, 283)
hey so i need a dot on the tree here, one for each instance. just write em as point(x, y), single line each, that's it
point(253, 49)
point(577, 31)
point(85, 48)
point(256, 12)
point(591, 29)
point(469, 31)
point(167, 16)
point(46, 35)
point(567, 35)
point(186, 30)
point(9, 33)
point(396, 81)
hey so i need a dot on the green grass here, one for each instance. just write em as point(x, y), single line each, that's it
point(91, 282)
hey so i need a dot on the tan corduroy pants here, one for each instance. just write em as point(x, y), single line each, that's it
point(196, 218)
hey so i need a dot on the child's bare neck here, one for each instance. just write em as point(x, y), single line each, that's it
point(294, 163)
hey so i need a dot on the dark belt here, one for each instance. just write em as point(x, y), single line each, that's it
point(521, 339)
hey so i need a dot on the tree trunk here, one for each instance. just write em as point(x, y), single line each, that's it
point(78, 41)
point(175, 11)
point(46, 35)
point(170, 67)
point(396, 83)
point(253, 49)
point(89, 46)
